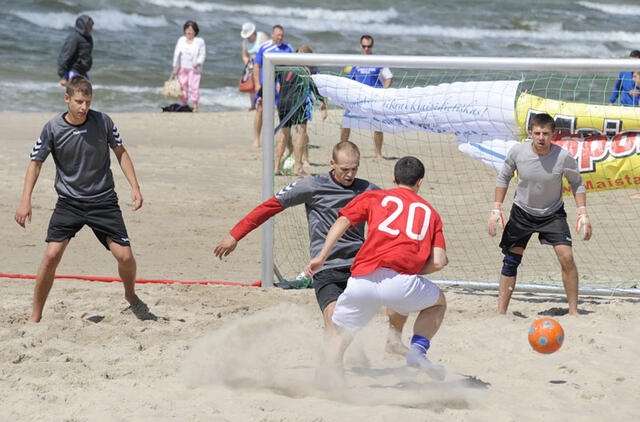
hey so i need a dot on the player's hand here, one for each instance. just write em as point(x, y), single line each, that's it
point(63, 82)
point(583, 226)
point(495, 217)
point(225, 247)
point(136, 197)
point(314, 265)
point(23, 213)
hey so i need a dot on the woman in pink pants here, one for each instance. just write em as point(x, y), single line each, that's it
point(188, 58)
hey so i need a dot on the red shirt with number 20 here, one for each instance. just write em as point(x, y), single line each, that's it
point(401, 230)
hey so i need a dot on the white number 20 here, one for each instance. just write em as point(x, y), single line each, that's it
point(384, 226)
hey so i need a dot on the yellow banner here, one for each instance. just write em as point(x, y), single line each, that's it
point(605, 140)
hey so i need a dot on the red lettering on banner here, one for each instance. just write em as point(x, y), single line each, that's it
point(601, 185)
point(594, 149)
point(636, 180)
point(566, 189)
point(588, 185)
point(624, 144)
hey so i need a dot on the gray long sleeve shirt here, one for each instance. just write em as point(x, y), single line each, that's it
point(539, 190)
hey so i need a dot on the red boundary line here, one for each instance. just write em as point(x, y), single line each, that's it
point(140, 280)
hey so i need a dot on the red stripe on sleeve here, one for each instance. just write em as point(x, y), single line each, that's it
point(255, 218)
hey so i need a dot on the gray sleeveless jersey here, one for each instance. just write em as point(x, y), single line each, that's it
point(81, 155)
point(323, 197)
point(539, 190)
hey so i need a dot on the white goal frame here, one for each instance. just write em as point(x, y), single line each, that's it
point(414, 62)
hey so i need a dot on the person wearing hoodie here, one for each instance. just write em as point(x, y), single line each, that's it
point(75, 56)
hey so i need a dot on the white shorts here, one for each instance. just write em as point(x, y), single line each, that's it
point(364, 296)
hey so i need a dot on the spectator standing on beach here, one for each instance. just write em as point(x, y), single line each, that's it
point(275, 45)
point(297, 94)
point(323, 195)
point(188, 57)
point(626, 88)
point(538, 207)
point(75, 57)
point(375, 76)
point(79, 141)
point(251, 41)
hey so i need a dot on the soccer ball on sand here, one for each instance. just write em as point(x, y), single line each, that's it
point(287, 165)
point(546, 335)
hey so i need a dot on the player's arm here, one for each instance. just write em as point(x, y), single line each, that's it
point(387, 83)
point(23, 213)
point(335, 233)
point(129, 172)
point(437, 261)
point(251, 221)
point(502, 184)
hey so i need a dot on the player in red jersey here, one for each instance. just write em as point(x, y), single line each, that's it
point(404, 240)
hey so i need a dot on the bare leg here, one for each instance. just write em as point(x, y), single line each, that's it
point(336, 340)
point(126, 269)
point(430, 319)
point(279, 151)
point(344, 134)
point(507, 284)
point(569, 276)
point(305, 153)
point(299, 147)
point(377, 139)
point(195, 107)
point(394, 335)
point(252, 105)
point(44, 279)
point(257, 126)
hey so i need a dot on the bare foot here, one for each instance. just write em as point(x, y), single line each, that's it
point(396, 347)
point(195, 108)
point(255, 144)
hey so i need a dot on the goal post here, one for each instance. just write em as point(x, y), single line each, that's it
point(421, 63)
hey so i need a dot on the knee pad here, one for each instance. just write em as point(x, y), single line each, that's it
point(511, 262)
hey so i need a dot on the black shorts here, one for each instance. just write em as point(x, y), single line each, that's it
point(552, 229)
point(104, 217)
point(300, 116)
point(329, 284)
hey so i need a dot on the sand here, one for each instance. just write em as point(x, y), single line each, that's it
point(222, 353)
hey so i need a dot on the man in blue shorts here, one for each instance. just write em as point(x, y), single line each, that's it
point(275, 45)
point(79, 141)
point(375, 76)
point(538, 207)
point(323, 196)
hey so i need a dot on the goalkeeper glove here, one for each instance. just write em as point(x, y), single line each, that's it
point(495, 217)
point(583, 226)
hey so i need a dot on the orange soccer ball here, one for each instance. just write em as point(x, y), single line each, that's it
point(546, 335)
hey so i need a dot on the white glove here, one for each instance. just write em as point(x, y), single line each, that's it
point(495, 217)
point(583, 226)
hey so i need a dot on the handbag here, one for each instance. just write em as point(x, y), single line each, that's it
point(172, 88)
point(245, 84)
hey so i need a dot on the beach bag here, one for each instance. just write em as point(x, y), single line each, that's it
point(172, 88)
point(246, 81)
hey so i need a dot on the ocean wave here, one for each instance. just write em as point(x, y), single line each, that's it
point(549, 32)
point(612, 9)
point(107, 20)
point(314, 14)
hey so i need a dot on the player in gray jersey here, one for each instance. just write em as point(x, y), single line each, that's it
point(79, 141)
point(538, 207)
point(323, 196)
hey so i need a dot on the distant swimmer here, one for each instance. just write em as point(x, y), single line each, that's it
point(75, 57)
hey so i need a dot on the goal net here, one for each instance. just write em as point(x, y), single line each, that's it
point(461, 123)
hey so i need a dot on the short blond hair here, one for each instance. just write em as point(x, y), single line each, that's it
point(304, 48)
point(347, 147)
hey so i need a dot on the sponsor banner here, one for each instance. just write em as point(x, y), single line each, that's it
point(472, 111)
point(604, 139)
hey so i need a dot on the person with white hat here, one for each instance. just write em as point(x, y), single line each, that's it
point(251, 41)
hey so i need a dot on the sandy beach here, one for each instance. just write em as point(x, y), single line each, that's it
point(229, 353)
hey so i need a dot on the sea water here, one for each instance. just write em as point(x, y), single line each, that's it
point(134, 39)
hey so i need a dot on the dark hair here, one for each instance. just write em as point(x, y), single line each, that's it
point(346, 146)
point(79, 84)
point(277, 27)
point(192, 24)
point(408, 171)
point(635, 53)
point(366, 37)
point(542, 120)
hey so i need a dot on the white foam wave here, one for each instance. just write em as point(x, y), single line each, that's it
point(612, 9)
point(314, 14)
point(107, 20)
point(545, 33)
